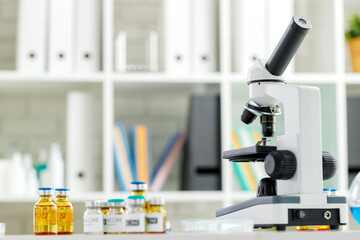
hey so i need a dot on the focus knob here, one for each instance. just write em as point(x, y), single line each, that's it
point(280, 164)
point(329, 165)
point(266, 187)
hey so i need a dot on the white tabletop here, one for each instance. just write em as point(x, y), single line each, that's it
point(328, 235)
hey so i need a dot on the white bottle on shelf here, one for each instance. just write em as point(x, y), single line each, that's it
point(17, 176)
point(30, 175)
point(56, 167)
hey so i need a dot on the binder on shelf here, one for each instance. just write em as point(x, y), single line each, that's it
point(167, 161)
point(81, 164)
point(204, 36)
point(61, 36)
point(122, 158)
point(177, 36)
point(87, 35)
point(142, 152)
point(249, 33)
point(32, 34)
point(202, 159)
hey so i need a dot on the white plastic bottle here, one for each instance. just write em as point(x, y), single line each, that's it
point(17, 176)
point(56, 167)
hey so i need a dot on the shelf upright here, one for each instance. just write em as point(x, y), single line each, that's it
point(341, 108)
point(108, 96)
point(225, 88)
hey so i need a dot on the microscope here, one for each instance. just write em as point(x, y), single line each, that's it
point(292, 195)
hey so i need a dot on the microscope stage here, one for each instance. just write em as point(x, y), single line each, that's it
point(249, 154)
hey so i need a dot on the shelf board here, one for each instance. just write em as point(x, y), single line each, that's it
point(352, 78)
point(14, 76)
point(167, 78)
point(169, 196)
point(182, 196)
point(301, 78)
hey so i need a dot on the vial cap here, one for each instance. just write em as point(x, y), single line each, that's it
point(46, 191)
point(102, 203)
point(116, 200)
point(62, 191)
point(157, 201)
point(326, 189)
point(116, 203)
point(137, 185)
point(92, 204)
point(136, 200)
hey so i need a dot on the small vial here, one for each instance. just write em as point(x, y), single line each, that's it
point(45, 219)
point(168, 227)
point(156, 216)
point(93, 218)
point(65, 211)
point(135, 215)
point(138, 188)
point(104, 208)
point(114, 221)
point(327, 191)
point(334, 192)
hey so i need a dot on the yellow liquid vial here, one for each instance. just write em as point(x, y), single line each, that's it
point(45, 219)
point(156, 216)
point(139, 188)
point(65, 212)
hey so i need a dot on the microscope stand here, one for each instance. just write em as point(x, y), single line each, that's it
point(283, 211)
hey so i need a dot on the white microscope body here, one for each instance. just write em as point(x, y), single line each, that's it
point(298, 199)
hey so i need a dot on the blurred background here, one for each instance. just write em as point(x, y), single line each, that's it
point(76, 73)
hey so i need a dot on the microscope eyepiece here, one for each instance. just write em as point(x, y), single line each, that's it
point(247, 117)
point(267, 125)
point(288, 45)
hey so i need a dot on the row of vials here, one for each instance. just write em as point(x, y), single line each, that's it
point(136, 215)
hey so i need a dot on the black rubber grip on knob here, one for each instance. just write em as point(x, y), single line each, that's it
point(288, 45)
point(266, 187)
point(280, 164)
point(329, 165)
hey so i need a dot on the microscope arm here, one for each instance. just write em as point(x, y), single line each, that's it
point(302, 119)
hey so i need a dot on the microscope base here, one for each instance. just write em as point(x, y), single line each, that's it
point(283, 211)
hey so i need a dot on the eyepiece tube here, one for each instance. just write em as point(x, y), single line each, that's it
point(288, 45)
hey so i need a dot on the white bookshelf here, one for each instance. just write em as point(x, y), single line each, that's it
point(225, 79)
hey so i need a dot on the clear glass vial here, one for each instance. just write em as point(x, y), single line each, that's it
point(45, 219)
point(135, 215)
point(156, 216)
point(114, 221)
point(65, 211)
point(93, 218)
point(139, 188)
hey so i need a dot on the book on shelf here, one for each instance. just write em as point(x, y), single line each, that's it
point(167, 161)
point(141, 150)
point(122, 158)
point(133, 159)
point(248, 174)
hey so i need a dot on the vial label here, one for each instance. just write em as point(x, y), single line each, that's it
point(114, 223)
point(155, 222)
point(93, 223)
point(135, 222)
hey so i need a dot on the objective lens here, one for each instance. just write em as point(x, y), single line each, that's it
point(247, 117)
point(268, 125)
